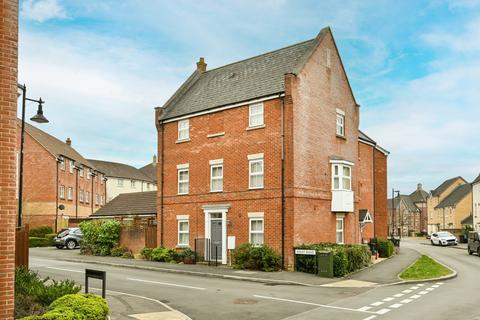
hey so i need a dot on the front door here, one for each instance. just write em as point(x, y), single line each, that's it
point(216, 239)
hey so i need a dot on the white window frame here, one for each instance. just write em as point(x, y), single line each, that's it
point(82, 198)
point(250, 231)
point(183, 130)
point(87, 197)
point(120, 183)
point(82, 172)
point(62, 163)
point(62, 192)
point(216, 164)
point(89, 173)
point(70, 193)
point(148, 186)
point(341, 177)
point(133, 184)
point(97, 199)
point(252, 113)
point(179, 232)
point(71, 166)
point(340, 123)
point(342, 230)
point(183, 168)
point(251, 160)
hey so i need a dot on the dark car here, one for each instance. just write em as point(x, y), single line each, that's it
point(69, 238)
point(474, 242)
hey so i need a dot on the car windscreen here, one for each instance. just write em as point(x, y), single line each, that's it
point(63, 233)
point(445, 234)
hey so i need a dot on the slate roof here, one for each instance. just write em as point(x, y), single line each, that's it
point(256, 77)
point(456, 196)
point(406, 199)
point(468, 220)
point(150, 170)
point(477, 180)
point(55, 146)
point(125, 204)
point(444, 186)
point(363, 136)
point(120, 170)
point(419, 195)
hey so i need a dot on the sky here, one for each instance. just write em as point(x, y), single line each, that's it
point(102, 66)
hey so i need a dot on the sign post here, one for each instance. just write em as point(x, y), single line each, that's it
point(96, 274)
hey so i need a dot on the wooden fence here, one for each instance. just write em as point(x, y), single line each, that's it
point(151, 236)
point(21, 246)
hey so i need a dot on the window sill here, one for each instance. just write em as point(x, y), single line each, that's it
point(182, 194)
point(255, 188)
point(214, 135)
point(182, 246)
point(341, 137)
point(216, 191)
point(256, 127)
point(182, 141)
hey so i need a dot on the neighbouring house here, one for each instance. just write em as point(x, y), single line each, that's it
point(58, 182)
point(266, 150)
point(454, 208)
point(435, 217)
point(137, 212)
point(420, 198)
point(476, 203)
point(404, 216)
point(123, 178)
point(150, 170)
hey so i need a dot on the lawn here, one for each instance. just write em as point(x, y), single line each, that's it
point(424, 268)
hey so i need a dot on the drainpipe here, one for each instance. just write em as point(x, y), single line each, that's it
point(76, 193)
point(161, 183)
point(91, 193)
point(374, 193)
point(56, 200)
point(282, 105)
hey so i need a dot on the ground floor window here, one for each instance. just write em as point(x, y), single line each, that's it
point(339, 229)
point(256, 231)
point(183, 233)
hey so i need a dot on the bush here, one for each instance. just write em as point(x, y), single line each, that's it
point(187, 255)
point(75, 307)
point(50, 236)
point(358, 257)
point(121, 252)
point(40, 232)
point(264, 258)
point(99, 237)
point(146, 253)
point(34, 242)
point(385, 248)
point(159, 254)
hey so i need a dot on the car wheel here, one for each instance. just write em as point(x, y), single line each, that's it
point(478, 251)
point(469, 251)
point(71, 244)
point(431, 241)
point(59, 247)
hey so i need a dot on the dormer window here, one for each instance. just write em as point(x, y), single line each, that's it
point(255, 115)
point(183, 130)
point(62, 163)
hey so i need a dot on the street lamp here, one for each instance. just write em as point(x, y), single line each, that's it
point(397, 192)
point(39, 118)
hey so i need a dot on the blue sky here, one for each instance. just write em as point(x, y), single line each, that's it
point(102, 66)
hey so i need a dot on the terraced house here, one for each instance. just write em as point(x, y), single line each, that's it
point(266, 150)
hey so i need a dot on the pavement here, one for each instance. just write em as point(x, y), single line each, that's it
point(200, 297)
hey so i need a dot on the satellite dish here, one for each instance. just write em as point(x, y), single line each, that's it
point(61, 207)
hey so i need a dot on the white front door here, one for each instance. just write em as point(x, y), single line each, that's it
point(216, 231)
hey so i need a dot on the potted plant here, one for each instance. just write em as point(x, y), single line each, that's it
point(188, 256)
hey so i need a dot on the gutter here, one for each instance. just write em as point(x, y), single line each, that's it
point(282, 105)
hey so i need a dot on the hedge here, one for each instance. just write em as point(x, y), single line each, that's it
point(75, 307)
point(346, 258)
point(34, 242)
point(385, 248)
point(40, 232)
point(263, 258)
point(99, 237)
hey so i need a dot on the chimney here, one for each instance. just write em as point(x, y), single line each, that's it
point(419, 186)
point(201, 65)
point(68, 141)
point(154, 160)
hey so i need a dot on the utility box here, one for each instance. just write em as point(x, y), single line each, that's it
point(325, 264)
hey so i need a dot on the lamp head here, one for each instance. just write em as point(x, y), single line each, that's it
point(39, 117)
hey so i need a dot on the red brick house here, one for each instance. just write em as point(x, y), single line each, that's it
point(266, 150)
point(56, 176)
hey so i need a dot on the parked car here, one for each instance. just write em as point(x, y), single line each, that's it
point(443, 238)
point(69, 238)
point(473, 242)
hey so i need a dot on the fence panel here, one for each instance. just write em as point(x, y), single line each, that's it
point(151, 236)
point(21, 246)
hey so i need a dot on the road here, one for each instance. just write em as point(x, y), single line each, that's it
point(211, 298)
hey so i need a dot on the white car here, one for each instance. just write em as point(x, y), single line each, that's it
point(443, 238)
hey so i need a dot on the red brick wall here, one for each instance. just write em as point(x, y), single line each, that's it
point(381, 204)
point(8, 112)
point(365, 185)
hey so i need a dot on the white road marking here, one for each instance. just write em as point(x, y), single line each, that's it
point(430, 289)
point(370, 318)
point(423, 292)
point(407, 291)
point(68, 270)
point(439, 283)
point(396, 305)
point(420, 284)
point(415, 296)
point(398, 295)
point(312, 304)
point(378, 303)
point(388, 299)
point(413, 288)
point(167, 284)
point(383, 311)
point(435, 286)
point(406, 301)
point(364, 308)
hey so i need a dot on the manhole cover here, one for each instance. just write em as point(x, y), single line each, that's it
point(245, 301)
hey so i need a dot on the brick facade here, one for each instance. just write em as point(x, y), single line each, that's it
point(8, 111)
point(309, 108)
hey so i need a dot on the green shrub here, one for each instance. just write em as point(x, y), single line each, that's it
point(26, 305)
point(385, 248)
point(121, 252)
point(40, 232)
point(264, 258)
point(146, 253)
point(358, 257)
point(100, 236)
point(159, 254)
point(187, 255)
point(50, 236)
point(34, 242)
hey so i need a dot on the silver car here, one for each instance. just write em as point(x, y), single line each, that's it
point(69, 238)
point(443, 238)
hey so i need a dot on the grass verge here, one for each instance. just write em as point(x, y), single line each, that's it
point(423, 269)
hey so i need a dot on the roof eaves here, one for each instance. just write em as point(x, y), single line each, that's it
point(180, 92)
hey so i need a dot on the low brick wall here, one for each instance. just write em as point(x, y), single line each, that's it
point(133, 238)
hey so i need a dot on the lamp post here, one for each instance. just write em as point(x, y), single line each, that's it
point(39, 118)
point(397, 192)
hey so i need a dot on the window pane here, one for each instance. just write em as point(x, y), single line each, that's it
point(183, 238)
point(336, 170)
point(346, 183)
point(256, 238)
point(336, 183)
point(183, 226)
point(183, 175)
point(257, 225)
point(346, 171)
point(217, 171)
point(339, 224)
point(255, 115)
point(256, 181)
point(256, 166)
point(217, 184)
point(339, 237)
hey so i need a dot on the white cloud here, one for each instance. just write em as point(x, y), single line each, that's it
point(42, 10)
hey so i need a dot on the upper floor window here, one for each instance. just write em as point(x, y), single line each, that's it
point(340, 127)
point(62, 192)
point(100, 176)
point(71, 166)
point(82, 172)
point(183, 177)
point(120, 183)
point(97, 199)
point(216, 175)
point(87, 197)
point(255, 171)
point(183, 130)
point(70, 193)
point(62, 163)
point(81, 196)
point(148, 186)
point(89, 173)
point(342, 177)
point(132, 184)
point(255, 115)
